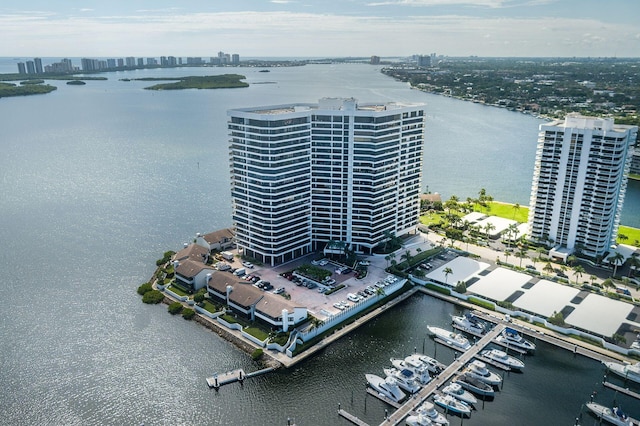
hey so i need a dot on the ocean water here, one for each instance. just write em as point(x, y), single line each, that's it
point(99, 180)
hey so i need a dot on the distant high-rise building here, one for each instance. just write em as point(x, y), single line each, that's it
point(140, 62)
point(375, 60)
point(21, 68)
point(31, 67)
point(235, 59)
point(152, 61)
point(579, 183)
point(130, 61)
point(171, 61)
point(120, 62)
point(163, 61)
point(38, 64)
point(424, 61)
point(111, 63)
point(304, 175)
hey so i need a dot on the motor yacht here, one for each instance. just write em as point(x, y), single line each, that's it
point(475, 385)
point(418, 420)
point(429, 410)
point(405, 378)
point(387, 387)
point(501, 357)
point(628, 371)
point(421, 373)
point(452, 405)
point(456, 391)
point(456, 340)
point(469, 322)
point(479, 370)
point(612, 415)
point(511, 337)
point(433, 365)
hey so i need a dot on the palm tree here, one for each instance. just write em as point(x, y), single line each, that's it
point(578, 270)
point(571, 260)
point(548, 268)
point(388, 235)
point(407, 256)
point(387, 258)
point(489, 227)
point(634, 263)
point(315, 323)
point(507, 253)
point(616, 259)
point(534, 260)
point(593, 279)
point(446, 271)
point(522, 254)
point(542, 251)
point(516, 207)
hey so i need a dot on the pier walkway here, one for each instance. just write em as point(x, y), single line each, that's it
point(420, 397)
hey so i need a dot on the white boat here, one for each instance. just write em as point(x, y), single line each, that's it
point(405, 378)
point(421, 373)
point(418, 420)
point(452, 405)
point(479, 370)
point(456, 391)
point(511, 337)
point(456, 340)
point(501, 357)
point(387, 387)
point(628, 371)
point(612, 415)
point(433, 365)
point(429, 410)
point(475, 385)
point(469, 322)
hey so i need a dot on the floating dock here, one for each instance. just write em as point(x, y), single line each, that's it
point(218, 380)
point(381, 397)
point(353, 419)
point(620, 389)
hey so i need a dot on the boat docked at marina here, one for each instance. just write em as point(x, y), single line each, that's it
point(627, 371)
point(511, 337)
point(387, 387)
point(405, 378)
point(456, 391)
point(479, 370)
point(452, 405)
point(502, 358)
point(421, 373)
point(429, 410)
point(469, 322)
point(475, 385)
point(455, 340)
point(612, 415)
point(433, 365)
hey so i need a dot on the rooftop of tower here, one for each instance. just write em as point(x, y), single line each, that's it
point(328, 104)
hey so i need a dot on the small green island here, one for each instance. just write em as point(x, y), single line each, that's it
point(24, 89)
point(225, 81)
point(76, 83)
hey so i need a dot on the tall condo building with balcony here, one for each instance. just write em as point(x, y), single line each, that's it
point(304, 175)
point(579, 183)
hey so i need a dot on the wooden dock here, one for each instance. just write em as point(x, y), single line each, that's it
point(381, 397)
point(218, 380)
point(414, 402)
point(353, 419)
point(620, 389)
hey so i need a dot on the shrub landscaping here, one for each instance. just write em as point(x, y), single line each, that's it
point(153, 297)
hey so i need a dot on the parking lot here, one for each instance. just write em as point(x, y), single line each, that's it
point(317, 303)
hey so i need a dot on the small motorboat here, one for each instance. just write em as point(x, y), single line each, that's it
point(613, 415)
point(433, 365)
point(627, 371)
point(479, 370)
point(387, 387)
point(429, 410)
point(405, 378)
point(452, 405)
point(456, 340)
point(418, 420)
point(511, 337)
point(468, 322)
point(475, 385)
point(501, 357)
point(421, 372)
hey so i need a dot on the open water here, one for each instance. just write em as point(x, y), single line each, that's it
point(99, 180)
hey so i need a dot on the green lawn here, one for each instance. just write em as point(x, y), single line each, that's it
point(177, 290)
point(632, 234)
point(209, 306)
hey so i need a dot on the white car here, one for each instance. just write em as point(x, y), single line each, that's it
point(365, 263)
point(323, 262)
point(247, 264)
point(278, 290)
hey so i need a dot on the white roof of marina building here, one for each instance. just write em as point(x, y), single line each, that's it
point(600, 314)
point(474, 217)
point(462, 268)
point(546, 297)
point(499, 284)
point(500, 224)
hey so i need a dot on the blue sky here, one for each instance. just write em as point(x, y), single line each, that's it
point(319, 28)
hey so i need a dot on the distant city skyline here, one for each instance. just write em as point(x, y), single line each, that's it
point(329, 28)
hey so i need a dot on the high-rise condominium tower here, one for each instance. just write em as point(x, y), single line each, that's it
point(579, 183)
point(306, 174)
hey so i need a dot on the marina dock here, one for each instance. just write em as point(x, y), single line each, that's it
point(620, 389)
point(414, 402)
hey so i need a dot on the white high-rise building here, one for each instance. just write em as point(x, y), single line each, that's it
point(303, 175)
point(579, 183)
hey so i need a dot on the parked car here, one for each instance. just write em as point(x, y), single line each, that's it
point(247, 264)
point(323, 262)
point(365, 263)
point(278, 290)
